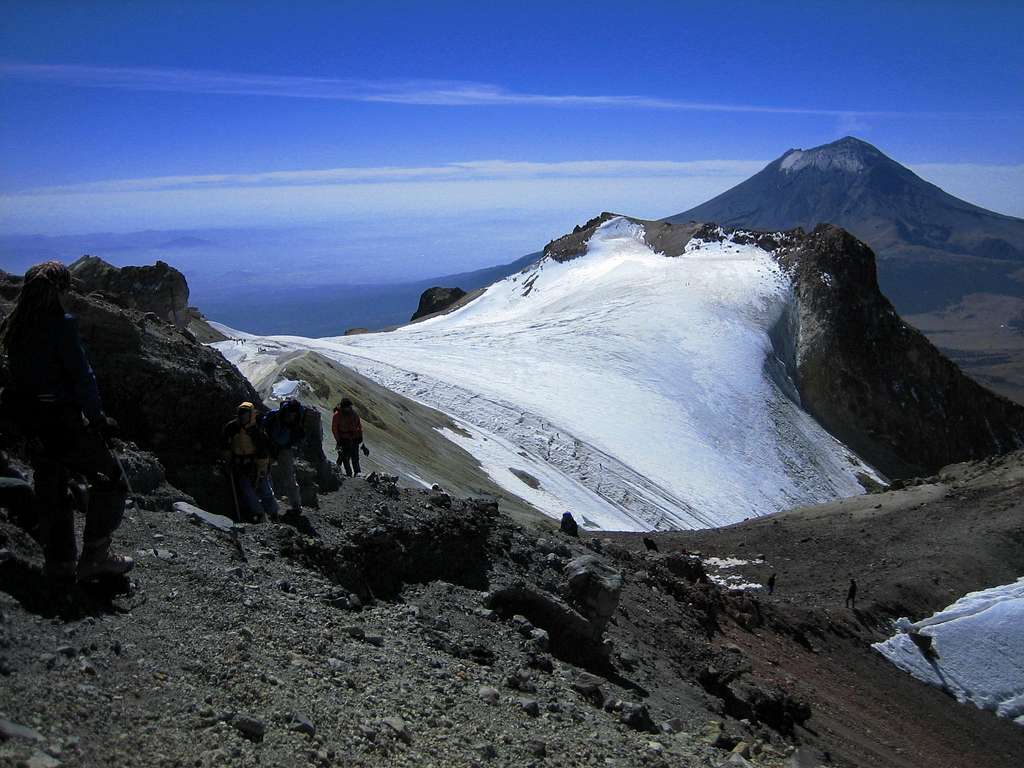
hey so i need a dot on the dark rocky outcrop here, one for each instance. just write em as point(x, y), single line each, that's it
point(436, 299)
point(158, 288)
point(873, 381)
point(568, 247)
point(169, 393)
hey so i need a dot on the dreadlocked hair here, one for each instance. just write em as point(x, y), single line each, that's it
point(38, 300)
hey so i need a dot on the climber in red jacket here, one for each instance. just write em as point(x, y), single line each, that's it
point(348, 434)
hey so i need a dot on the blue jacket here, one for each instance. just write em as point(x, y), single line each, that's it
point(50, 365)
point(280, 434)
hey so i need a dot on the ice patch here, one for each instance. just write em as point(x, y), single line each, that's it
point(790, 160)
point(978, 645)
point(831, 159)
point(285, 388)
point(724, 562)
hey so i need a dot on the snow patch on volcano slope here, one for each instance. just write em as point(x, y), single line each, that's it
point(639, 377)
point(978, 650)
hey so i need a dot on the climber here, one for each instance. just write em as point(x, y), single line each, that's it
point(348, 433)
point(284, 430)
point(63, 417)
point(247, 455)
point(569, 526)
point(851, 595)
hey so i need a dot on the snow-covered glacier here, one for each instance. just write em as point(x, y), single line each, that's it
point(975, 651)
point(639, 385)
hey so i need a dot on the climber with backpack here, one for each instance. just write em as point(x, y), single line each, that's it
point(246, 453)
point(285, 431)
point(54, 391)
point(348, 433)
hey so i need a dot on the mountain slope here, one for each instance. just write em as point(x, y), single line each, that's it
point(404, 436)
point(853, 185)
point(661, 376)
point(934, 250)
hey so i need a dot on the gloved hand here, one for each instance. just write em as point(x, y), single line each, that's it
point(366, 451)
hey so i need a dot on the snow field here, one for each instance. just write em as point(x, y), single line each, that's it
point(979, 650)
point(638, 380)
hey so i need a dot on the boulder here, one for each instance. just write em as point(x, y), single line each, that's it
point(160, 288)
point(684, 566)
point(436, 299)
point(202, 517)
point(570, 635)
point(595, 588)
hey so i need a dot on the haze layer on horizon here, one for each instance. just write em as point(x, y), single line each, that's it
point(344, 143)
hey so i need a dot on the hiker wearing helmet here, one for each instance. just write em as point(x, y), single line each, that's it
point(348, 433)
point(284, 430)
point(61, 412)
point(247, 453)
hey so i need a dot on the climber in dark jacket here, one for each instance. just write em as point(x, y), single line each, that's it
point(284, 430)
point(63, 415)
point(348, 432)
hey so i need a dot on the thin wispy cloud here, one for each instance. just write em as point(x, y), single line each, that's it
point(477, 170)
point(452, 93)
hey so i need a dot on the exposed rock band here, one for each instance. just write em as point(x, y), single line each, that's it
point(54, 400)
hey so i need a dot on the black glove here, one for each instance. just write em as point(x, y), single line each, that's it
point(366, 451)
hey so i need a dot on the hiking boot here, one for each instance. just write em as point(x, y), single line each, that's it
point(98, 560)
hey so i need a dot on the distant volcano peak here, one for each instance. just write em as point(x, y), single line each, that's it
point(847, 155)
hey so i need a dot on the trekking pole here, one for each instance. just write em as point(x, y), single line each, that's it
point(120, 467)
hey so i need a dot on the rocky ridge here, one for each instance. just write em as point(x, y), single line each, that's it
point(169, 393)
point(402, 627)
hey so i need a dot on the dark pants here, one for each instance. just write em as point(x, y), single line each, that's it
point(253, 494)
point(348, 455)
point(68, 448)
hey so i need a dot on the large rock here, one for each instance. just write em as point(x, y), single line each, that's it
point(436, 299)
point(595, 588)
point(571, 635)
point(160, 288)
point(873, 381)
point(169, 393)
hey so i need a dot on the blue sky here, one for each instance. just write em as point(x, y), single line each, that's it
point(338, 112)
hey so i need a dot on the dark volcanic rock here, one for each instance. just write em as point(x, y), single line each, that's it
point(169, 393)
point(436, 299)
point(873, 381)
point(568, 247)
point(160, 289)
